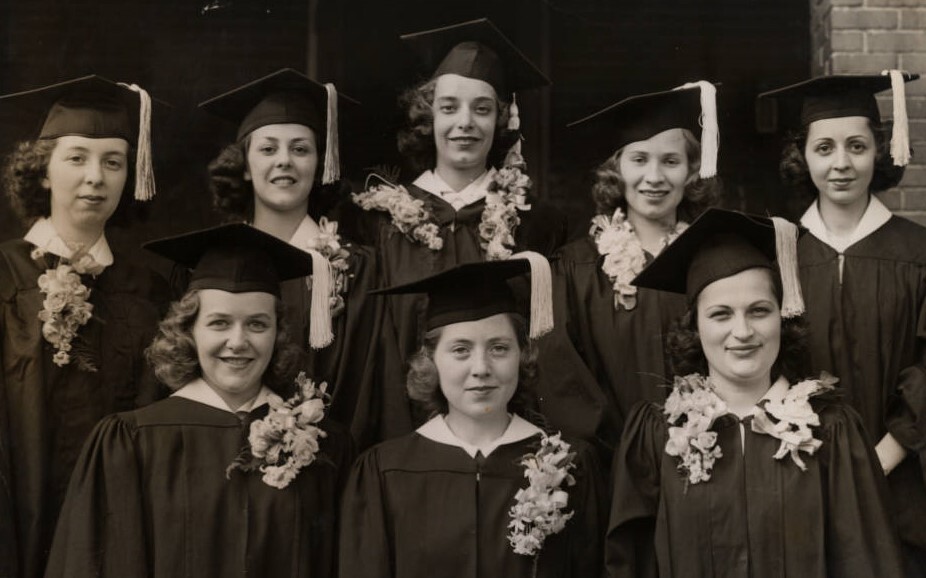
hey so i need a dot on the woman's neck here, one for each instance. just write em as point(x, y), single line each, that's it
point(842, 220)
point(652, 233)
point(74, 236)
point(740, 396)
point(281, 225)
point(478, 432)
point(457, 178)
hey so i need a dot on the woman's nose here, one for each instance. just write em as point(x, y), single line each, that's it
point(480, 364)
point(653, 172)
point(283, 158)
point(237, 338)
point(842, 160)
point(742, 327)
point(464, 117)
point(93, 173)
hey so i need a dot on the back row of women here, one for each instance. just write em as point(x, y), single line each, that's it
point(680, 354)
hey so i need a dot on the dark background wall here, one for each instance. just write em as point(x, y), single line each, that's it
point(595, 51)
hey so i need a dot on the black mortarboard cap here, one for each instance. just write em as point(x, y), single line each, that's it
point(640, 117)
point(476, 49)
point(722, 243)
point(473, 291)
point(94, 107)
point(845, 95)
point(237, 258)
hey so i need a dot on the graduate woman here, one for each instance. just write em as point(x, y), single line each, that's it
point(239, 472)
point(278, 176)
point(470, 201)
point(748, 469)
point(864, 272)
point(480, 489)
point(75, 316)
point(657, 176)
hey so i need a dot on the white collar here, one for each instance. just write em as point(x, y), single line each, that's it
point(305, 233)
point(199, 391)
point(44, 236)
point(436, 430)
point(431, 182)
point(875, 216)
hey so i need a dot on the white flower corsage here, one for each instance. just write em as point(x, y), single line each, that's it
point(623, 254)
point(691, 410)
point(328, 243)
point(507, 194)
point(409, 215)
point(539, 509)
point(791, 419)
point(287, 440)
point(66, 308)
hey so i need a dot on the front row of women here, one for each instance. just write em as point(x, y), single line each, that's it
point(749, 469)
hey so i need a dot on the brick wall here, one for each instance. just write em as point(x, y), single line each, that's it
point(868, 36)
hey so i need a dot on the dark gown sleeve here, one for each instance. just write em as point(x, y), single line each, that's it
point(590, 516)
point(101, 529)
point(861, 536)
point(365, 549)
point(8, 550)
point(636, 477)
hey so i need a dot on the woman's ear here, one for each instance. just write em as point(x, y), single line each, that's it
point(247, 175)
point(46, 184)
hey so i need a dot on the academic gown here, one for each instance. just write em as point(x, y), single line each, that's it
point(419, 508)
point(150, 498)
point(620, 350)
point(542, 229)
point(349, 364)
point(47, 411)
point(757, 517)
point(869, 331)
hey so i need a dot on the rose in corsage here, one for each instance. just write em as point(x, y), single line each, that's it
point(691, 410)
point(287, 440)
point(409, 215)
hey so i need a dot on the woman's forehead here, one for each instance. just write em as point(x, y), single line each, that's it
point(462, 87)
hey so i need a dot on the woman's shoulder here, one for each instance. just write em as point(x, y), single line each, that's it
point(128, 276)
point(17, 269)
point(580, 251)
point(899, 239)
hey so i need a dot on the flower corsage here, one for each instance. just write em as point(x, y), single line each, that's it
point(623, 254)
point(691, 410)
point(507, 193)
point(328, 243)
point(66, 308)
point(791, 419)
point(287, 440)
point(409, 215)
point(539, 509)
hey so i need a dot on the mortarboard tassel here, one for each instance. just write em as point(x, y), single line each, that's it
point(514, 123)
point(792, 300)
point(144, 170)
point(900, 135)
point(541, 314)
point(710, 133)
point(320, 334)
point(332, 171)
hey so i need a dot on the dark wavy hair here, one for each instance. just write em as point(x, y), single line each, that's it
point(173, 355)
point(423, 383)
point(687, 353)
point(795, 174)
point(27, 165)
point(608, 190)
point(233, 196)
point(416, 139)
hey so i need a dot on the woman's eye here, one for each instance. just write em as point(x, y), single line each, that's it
point(484, 110)
point(858, 147)
point(447, 108)
point(638, 159)
point(301, 150)
point(761, 311)
point(719, 315)
point(459, 351)
point(266, 149)
point(258, 325)
point(671, 161)
point(75, 159)
point(113, 164)
point(823, 148)
point(218, 324)
point(499, 350)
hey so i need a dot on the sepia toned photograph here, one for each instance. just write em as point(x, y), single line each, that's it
point(523, 288)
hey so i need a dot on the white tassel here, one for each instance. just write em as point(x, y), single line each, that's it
point(710, 132)
point(900, 136)
point(320, 334)
point(144, 169)
point(332, 170)
point(541, 314)
point(792, 300)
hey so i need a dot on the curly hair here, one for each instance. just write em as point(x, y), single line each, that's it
point(27, 166)
point(687, 353)
point(416, 140)
point(233, 196)
point(608, 190)
point(795, 174)
point(173, 353)
point(423, 383)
